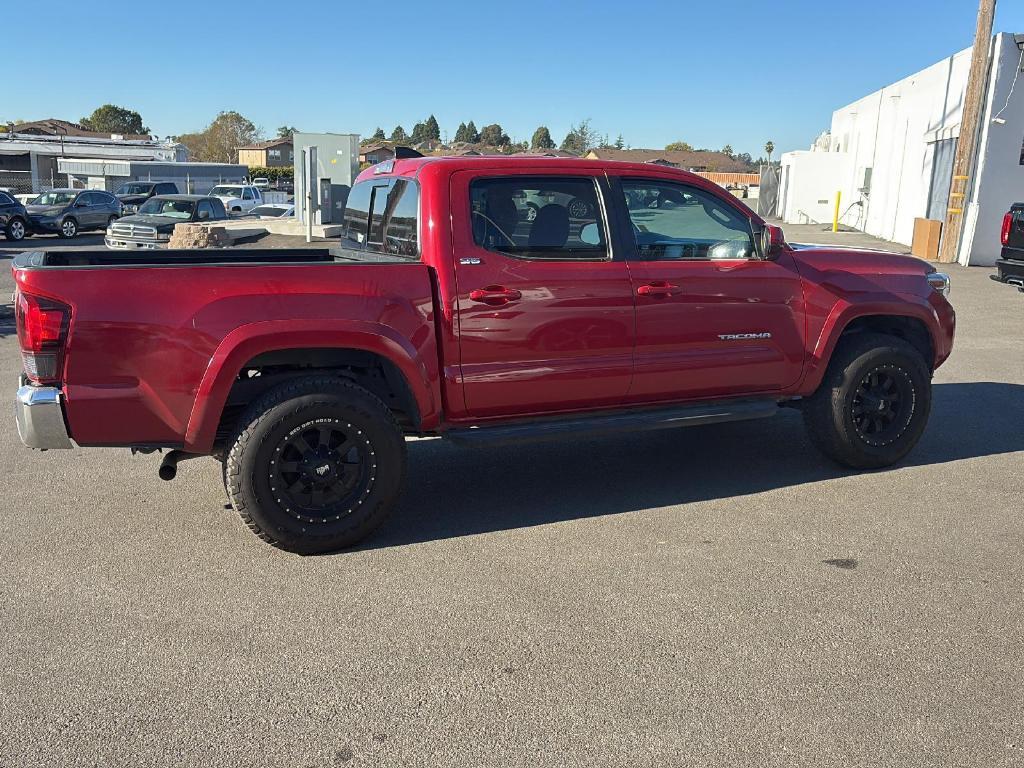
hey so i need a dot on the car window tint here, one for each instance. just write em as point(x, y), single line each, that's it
point(538, 217)
point(6, 199)
point(382, 216)
point(674, 221)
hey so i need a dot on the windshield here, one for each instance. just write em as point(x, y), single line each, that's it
point(56, 197)
point(133, 189)
point(225, 191)
point(268, 210)
point(173, 209)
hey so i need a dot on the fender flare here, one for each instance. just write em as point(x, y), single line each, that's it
point(247, 341)
point(844, 313)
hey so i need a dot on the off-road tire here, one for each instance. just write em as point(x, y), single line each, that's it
point(16, 229)
point(279, 414)
point(829, 414)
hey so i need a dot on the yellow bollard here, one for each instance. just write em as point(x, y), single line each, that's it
point(835, 216)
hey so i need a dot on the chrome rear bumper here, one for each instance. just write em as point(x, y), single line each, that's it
point(40, 418)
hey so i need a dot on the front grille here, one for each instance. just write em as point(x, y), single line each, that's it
point(128, 230)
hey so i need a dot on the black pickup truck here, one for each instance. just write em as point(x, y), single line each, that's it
point(1010, 266)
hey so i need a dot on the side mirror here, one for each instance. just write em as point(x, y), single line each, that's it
point(772, 242)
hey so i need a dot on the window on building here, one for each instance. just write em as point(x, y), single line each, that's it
point(274, 154)
point(538, 217)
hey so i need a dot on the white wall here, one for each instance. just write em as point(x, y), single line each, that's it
point(998, 179)
point(808, 185)
point(890, 132)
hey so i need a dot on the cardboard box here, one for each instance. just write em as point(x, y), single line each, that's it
point(926, 239)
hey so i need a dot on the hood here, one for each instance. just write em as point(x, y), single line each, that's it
point(860, 270)
point(44, 210)
point(162, 223)
point(225, 198)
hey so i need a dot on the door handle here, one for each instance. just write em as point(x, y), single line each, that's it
point(495, 295)
point(660, 288)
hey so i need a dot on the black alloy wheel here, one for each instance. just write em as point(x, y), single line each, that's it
point(322, 470)
point(883, 405)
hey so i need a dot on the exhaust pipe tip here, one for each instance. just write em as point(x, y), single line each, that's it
point(169, 466)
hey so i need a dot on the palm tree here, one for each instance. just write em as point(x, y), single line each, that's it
point(769, 148)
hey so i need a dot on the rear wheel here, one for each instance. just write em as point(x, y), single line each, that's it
point(68, 228)
point(316, 465)
point(873, 403)
point(15, 230)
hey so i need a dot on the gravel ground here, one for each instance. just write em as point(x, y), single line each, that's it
point(713, 596)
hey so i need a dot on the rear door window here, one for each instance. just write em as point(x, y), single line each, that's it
point(555, 218)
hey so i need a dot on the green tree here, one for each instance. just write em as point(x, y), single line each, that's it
point(220, 140)
point(619, 142)
point(679, 146)
point(580, 138)
point(472, 134)
point(432, 130)
point(460, 133)
point(493, 136)
point(419, 133)
point(727, 150)
point(744, 157)
point(113, 119)
point(378, 135)
point(286, 131)
point(769, 147)
point(542, 139)
point(399, 135)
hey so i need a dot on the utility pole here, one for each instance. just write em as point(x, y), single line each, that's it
point(963, 162)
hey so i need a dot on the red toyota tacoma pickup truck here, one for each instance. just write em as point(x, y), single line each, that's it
point(480, 299)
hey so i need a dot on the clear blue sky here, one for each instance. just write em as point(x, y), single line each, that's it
point(657, 71)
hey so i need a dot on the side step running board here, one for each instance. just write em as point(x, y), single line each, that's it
point(611, 423)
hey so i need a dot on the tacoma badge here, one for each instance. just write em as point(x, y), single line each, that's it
point(742, 336)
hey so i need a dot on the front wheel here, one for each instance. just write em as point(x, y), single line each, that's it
point(316, 465)
point(15, 230)
point(873, 403)
point(68, 228)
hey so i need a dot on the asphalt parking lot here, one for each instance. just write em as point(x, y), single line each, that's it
point(713, 596)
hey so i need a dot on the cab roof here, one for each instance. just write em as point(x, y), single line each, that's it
point(413, 166)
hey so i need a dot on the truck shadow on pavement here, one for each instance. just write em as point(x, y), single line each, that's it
point(453, 491)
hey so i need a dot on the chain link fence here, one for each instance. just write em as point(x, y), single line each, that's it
point(20, 182)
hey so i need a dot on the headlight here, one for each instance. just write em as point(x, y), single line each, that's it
point(163, 236)
point(940, 282)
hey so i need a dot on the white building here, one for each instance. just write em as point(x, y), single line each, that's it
point(890, 156)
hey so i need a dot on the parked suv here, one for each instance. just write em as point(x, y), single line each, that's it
point(13, 218)
point(238, 198)
point(134, 193)
point(153, 225)
point(70, 211)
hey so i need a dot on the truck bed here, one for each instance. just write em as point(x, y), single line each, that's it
point(148, 328)
point(168, 257)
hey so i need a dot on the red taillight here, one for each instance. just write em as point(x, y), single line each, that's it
point(1004, 235)
point(42, 331)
